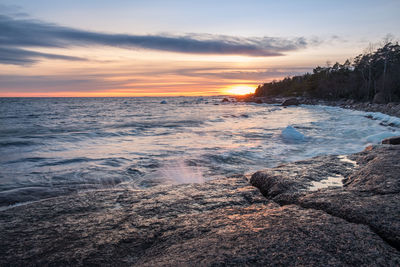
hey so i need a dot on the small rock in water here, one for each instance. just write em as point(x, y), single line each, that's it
point(163, 102)
point(225, 100)
point(392, 140)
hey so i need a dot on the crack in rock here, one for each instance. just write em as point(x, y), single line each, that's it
point(369, 195)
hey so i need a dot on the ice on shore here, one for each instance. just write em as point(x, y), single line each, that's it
point(386, 119)
point(290, 134)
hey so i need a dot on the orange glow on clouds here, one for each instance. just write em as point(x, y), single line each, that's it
point(118, 72)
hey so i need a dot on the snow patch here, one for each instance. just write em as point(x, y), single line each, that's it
point(332, 181)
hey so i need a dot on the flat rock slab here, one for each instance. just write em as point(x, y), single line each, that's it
point(270, 235)
point(221, 222)
point(370, 194)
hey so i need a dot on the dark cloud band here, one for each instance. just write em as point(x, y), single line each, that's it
point(20, 56)
point(16, 33)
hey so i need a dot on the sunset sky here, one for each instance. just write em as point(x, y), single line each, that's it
point(167, 48)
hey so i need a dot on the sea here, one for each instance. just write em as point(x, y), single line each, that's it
point(51, 147)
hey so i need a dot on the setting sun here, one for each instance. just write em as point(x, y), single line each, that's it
point(240, 90)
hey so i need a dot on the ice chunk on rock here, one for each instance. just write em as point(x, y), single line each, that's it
point(386, 119)
point(290, 134)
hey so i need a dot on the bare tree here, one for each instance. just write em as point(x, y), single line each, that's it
point(369, 50)
point(387, 40)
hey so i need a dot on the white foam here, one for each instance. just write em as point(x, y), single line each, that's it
point(179, 173)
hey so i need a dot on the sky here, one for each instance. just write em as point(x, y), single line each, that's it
point(173, 48)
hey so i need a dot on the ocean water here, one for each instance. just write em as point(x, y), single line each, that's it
point(57, 146)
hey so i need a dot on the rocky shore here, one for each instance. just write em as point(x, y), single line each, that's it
point(392, 109)
point(295, 214)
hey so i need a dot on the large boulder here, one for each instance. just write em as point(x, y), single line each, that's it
point(379, 98)
point(369, 194)
point(290, 102)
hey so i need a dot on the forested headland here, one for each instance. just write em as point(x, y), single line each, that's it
point(370, 76)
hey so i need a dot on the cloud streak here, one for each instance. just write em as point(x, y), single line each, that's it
point(183, 79)
point(19, 34)
point(19, 56)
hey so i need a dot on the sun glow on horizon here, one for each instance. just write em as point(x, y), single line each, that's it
point(240, 89)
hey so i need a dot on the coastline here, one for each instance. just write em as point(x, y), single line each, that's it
point(278, 217)
point(391, 109)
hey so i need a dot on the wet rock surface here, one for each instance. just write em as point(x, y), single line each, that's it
point(392, 140)
point(370, 194)
point(222, 222)
point(294, 178)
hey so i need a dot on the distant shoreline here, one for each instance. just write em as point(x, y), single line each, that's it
point(392, 108)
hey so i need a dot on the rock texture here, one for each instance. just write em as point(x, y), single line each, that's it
point(222, 222)
point(370, 194)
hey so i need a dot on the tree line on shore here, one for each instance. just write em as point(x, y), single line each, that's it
point(371, 76)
